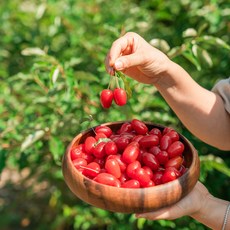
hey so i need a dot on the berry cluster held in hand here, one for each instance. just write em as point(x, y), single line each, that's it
point(134, 156)
point(118, 95)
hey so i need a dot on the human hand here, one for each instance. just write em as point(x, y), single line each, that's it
point(189, 205)
point(135, 57)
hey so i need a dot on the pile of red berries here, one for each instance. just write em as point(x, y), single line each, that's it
point(134, 156)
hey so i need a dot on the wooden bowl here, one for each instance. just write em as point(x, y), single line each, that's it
point(128, 200)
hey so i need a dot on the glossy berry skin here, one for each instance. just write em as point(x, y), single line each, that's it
point(149, 141)
point(111, 148)
point(149, 171)
point(131, 184)
point(104, 129)
point(99, 136)
point(106, 98)
point(132, 167)
point(99, 150)
point(121, 163)
point(76, 152)
point(175, 162)
point(112, 167)
point(165, 142)
point(150, 160)
point(162, 157)
point(130, 153)
point(156, 131)
point(157, 177)
point(175, 149)
point(79, 162)
point(120, 96)
point(88, 157)
point(89, 144)
point(173, 135)
point(139, 127)
point(125, 128)
point(122, 142)
point(154, 150)
point(142, 176)
point(107, 179)
point(91, 170)
point(169, 175)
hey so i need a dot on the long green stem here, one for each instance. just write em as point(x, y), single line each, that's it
point(117, 82)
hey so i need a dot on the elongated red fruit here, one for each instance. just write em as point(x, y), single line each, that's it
point(120, 96)
point(106, 98)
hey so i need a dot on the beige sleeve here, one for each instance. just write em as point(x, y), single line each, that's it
point(223, 89)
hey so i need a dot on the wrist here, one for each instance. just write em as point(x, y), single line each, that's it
point(203, 208)
point(212, 213)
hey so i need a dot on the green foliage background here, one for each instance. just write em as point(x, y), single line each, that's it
point(51, 73)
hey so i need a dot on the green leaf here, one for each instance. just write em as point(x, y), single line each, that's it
point(85, 76)
point(214, 41)
point(31, 139)
point(54, 75)
point(126, 83)
point(141, 222)
point(160, 44)
point(190, 32)
point(57, 149)
point(203, 54)
point(73, 62)
point(102, 140)
point(189, 55)
point(206, 57)
point(213, 162)
point(30, 51)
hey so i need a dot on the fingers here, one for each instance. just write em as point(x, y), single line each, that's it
point(121, 53)
point(186, 206)
point(162, 214)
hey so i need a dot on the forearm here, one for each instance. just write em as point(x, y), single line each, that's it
point(200, 110)
point(213, 213)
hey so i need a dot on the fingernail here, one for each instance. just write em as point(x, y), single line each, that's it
point(111, 71)
point(118, 65)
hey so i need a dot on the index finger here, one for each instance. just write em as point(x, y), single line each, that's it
point(122, 46)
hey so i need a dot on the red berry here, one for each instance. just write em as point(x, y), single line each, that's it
point(139, 126)
point(142, 176)
point(131, 184)
point(165, 142)
point(169, 175)
point(120, 96)
point(104, 129)
point(150, 160)
point(130, 153)
point(112, 167)
point(111, 148)
point(89, 144)
point(175, 149)
point(149, 141)
point(107, 179)
point(91, 170)
point(106, 98)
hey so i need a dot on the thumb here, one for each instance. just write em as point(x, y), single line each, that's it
point(127, 61)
